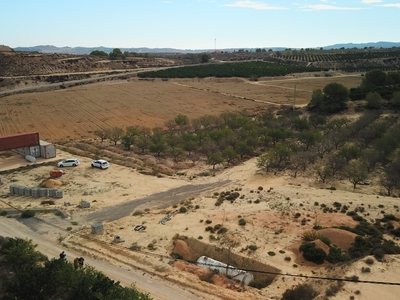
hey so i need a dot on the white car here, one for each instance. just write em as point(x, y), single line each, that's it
point(100, 163)
point(71, 162)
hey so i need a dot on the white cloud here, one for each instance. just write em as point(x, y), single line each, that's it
point(257, 5)
point(322, 6)
point(369, 2)
point(393, 5)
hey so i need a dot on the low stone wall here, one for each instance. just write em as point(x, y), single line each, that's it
point(18, 190)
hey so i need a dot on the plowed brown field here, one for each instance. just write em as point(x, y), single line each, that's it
point(77, 112)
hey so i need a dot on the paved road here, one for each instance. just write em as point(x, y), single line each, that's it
point(157, 287)
point(159, 200)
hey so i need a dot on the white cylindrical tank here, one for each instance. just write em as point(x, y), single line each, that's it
point(227, 270)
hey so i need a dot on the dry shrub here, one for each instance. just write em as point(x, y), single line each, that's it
point(310, 236)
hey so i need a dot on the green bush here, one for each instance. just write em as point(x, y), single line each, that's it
point(183, 210)
point(3, 213)
point(30, 275)
point(336, 255)
point(242, 222)
point(300, 292)
point(312, 253)
point(26, 214)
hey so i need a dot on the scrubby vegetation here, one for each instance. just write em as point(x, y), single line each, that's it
point(27, 274)
point(285, 140)
point(300, 292)
point(370, 240)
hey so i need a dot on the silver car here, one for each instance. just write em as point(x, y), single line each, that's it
point(100, 163)
point(71, 162)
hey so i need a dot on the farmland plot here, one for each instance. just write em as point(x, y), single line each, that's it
point(77, 112)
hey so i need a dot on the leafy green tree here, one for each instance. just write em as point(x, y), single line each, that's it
point(350, 151)
point(357, 172)
point(335, 163)
point(278, 134)
point(157, 142)
point(103, 134)
point(98, 53)
point(309, 138)
point(214, 158)
point(390, 179)
point(374, 100)
point(333, 99)
point(371, 157)
point(205, 58)
point(317, 98)
point(275, 158)
point(374, 79)
point(300, 160)
point(324, 146)
point(143, 139)
point(300, 292)
point(128, 138)
point(116, 54)
point(176, 153)
point(116, 134)
point(229, 154)
point(300, 124)
point(189, 143)
point(323, 173)
point(30, 275)
point(242, 148)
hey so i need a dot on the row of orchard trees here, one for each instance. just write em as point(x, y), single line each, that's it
point(330, 148)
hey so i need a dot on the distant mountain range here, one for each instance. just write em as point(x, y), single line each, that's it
point(87, 50)
point(363, 45)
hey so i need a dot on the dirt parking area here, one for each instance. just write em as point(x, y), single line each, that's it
point(99, 187)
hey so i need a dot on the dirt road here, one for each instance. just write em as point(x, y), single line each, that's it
point(157, 287)
point(158, 200)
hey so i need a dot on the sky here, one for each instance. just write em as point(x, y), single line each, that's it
point(197, 24)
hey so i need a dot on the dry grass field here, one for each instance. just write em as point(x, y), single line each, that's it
point(279, 90)
point(77, 112)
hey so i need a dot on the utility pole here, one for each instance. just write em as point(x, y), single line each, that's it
point(215, 45)
point(294, 96)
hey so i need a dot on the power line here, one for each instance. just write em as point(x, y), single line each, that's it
point(355, 280)
point(304, 276)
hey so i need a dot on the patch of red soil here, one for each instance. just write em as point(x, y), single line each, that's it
point(182, 249)
point(395, 224)
point(320, 244)
point(207, 275)
point(341, 238)
point(335, 220)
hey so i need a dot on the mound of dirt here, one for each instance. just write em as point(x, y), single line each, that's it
point(320, 244)
point(341, 238)
point(335, 220)
point(51, 183)
point(182, 249)
point(207, 275)
point(203, 273)
point(395, 224)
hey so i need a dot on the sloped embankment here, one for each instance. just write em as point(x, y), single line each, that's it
point(191, 249)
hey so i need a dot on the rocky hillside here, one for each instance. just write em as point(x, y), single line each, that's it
point(24, 64)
